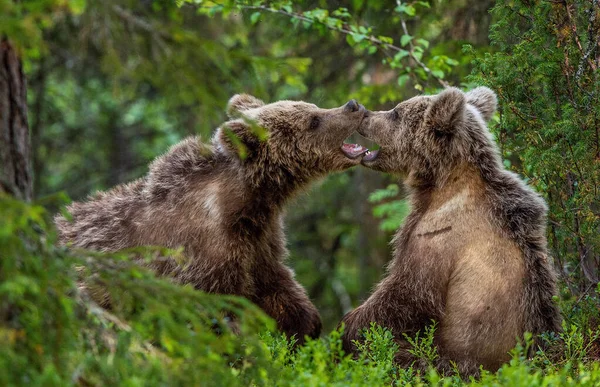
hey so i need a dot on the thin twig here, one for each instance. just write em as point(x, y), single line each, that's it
point(411, 52)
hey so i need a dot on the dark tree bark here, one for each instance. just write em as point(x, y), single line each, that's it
point(15, 146)
point(38, 85)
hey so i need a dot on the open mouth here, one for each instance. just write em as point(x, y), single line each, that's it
point(353, 151)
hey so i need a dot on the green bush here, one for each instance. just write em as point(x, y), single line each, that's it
point(156, 333)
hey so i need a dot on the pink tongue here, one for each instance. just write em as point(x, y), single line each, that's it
point(353, 150)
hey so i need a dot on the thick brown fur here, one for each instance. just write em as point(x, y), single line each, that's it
point(472, 254)
point(223, 203)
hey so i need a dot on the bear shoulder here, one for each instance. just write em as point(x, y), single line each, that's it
point(173, 170)
point(519, 206)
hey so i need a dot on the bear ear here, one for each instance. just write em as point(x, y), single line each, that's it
point(485, 100)
point(446, 111)
point(237, 138)
point(241, 102)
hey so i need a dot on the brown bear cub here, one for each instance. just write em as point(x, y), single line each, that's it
point(223, 203)
point(472, 254)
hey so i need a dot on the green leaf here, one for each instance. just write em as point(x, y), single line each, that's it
point(401, 54)
point(402, 79)
point(400, 8)
point(380, 194)
point(405, 39)
point(385, 39)
point(406, 9)
point(438, 73)
point(350, 40)
point(421, 73)
point(451, 62)
point(255, 17)
point(358, 37)
point(333, 22)
point(423, 42)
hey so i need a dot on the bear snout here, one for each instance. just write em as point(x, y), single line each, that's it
point(352, 106)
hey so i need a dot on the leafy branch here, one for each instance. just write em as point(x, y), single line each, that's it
point(340, 20)
point(383, 44)
point(412, 54)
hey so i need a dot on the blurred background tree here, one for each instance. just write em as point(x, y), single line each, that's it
point(112, 84)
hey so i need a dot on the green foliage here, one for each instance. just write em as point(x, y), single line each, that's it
point(545, 72)
point(157, 332)
point(392, 212)
point(406, 58)
point(25, 21)
point(423, 347)
point(323, 362)
point(577, 343)
point(378, 345)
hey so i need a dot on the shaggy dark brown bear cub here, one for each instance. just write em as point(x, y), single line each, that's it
point(472, 253)
point(223, 203)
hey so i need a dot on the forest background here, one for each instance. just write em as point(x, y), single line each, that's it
point(112, 84)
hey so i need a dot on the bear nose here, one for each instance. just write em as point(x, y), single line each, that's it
point(351, 106)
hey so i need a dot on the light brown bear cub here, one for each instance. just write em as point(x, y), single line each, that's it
point(472, 253)
point(223, 203)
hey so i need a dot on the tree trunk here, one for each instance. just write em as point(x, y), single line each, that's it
point(15, 146)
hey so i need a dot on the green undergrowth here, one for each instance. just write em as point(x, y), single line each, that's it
point(159, 333)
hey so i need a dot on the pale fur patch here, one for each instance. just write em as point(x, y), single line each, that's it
point(442, 218)
point(457, 203)
point(252, 114)
point(219, 148)
point(210, 201)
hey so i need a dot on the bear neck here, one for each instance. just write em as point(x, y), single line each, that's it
point(271, 185)
point(464, 179)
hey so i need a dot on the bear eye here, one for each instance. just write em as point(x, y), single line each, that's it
point(315, 122)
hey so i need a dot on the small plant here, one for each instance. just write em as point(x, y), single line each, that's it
point(422, 346)
point(577, 342)
point(378, 345)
